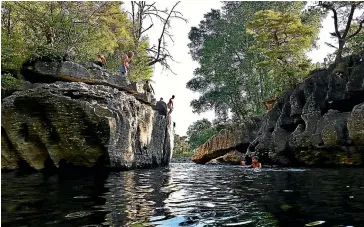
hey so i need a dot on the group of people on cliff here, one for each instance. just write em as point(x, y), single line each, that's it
point(125, 62)
point(163, 108)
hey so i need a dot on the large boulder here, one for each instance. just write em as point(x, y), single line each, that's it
point(235, 138)
point(230, 158)
point(63, 124)
point(40, 71)
point(356, 125)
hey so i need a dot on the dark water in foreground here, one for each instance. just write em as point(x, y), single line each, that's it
point(186, 195)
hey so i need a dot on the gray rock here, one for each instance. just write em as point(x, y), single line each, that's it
point(230, 158)
point(82, 125)
point(356, 125)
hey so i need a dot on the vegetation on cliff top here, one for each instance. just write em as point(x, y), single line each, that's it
point(83, 30)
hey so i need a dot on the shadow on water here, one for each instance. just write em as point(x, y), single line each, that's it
point(186, 194)
point(54, 200)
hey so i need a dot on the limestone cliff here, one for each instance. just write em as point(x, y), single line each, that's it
point(93, 122)
point(319, 122)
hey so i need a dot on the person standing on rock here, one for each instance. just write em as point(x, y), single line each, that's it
point(148, 89)
point(124, 68)
point(170, 105)
point(162, 107)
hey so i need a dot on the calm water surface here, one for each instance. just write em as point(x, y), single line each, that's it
point(186, 194)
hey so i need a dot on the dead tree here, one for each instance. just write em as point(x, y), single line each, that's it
point(142, 13)
point(343, 33)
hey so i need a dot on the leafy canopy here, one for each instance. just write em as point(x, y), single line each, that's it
point(81, 29)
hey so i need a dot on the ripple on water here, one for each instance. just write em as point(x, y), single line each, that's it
point(189, 195)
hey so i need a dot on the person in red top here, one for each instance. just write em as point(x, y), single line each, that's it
point(170, 105)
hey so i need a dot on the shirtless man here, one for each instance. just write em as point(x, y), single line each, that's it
point(255, 163)
point(148, 88)
point(170, 105)
point(125, 63)
point(101, 61)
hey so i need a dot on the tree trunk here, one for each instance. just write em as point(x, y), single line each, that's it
point(340, 51)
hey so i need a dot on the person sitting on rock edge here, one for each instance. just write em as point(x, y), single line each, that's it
point(162, 107)
point(255, 163)
point(170, 105)
point(148, 89)
point(124, 68)
point(101, 61)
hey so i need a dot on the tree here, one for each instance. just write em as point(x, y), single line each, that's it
point(180, 145)
point(344, 19)
point(199, 132)
point(140, 13)
point(282, 39)
point(82, 29)
point(229, 78)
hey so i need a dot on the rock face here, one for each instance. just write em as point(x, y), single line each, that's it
point(319, 122)
point(226, 141)
point(65, 124)
point(233, 157)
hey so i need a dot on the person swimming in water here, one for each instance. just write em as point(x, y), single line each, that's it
point(254, 164)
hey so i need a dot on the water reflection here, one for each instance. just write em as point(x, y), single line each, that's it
point(38, 200)
point(187, 195)
point(133, 196)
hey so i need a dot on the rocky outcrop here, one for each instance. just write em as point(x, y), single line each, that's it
point(85, 123)
point(227, 140)
point(319, 122)
point(232, 157)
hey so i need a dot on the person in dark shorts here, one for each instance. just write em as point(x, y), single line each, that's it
point(148, 88)
point(101, 61)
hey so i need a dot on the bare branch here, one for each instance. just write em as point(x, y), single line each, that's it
point(162, 34)
point(353, 6)
point(357, 31)
point(330, 7)
point(331, 45)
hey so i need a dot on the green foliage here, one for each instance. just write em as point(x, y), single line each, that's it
point(9, 82)
point(180, 145)
point(235, 78)
point(199, 132)
point(80, 29)
point(355, 44)
point(279, 34)
point(281, 39)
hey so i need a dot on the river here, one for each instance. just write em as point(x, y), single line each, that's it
point(186, 194)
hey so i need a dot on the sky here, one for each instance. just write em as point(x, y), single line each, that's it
point(167, 84)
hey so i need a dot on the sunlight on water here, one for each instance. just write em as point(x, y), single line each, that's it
point(186, 194)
